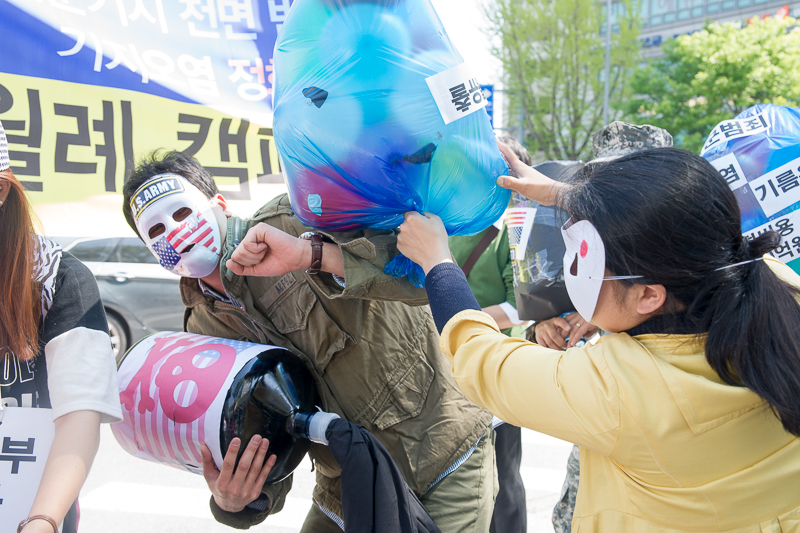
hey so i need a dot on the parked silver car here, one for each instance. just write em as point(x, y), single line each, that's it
point(139, 296)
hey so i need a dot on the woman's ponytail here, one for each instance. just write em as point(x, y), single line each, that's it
point(752, 321)
point(761, 245)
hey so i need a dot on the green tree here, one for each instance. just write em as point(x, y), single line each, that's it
point(715, 74)
point(553, 59)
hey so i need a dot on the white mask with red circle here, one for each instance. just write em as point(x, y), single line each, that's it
point(585, 266)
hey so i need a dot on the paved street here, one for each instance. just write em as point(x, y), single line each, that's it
point(128, 495)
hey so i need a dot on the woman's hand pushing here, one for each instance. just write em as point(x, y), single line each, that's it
point(423, 240)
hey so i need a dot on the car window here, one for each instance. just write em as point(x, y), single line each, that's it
point(94, 250)
point(132, 250)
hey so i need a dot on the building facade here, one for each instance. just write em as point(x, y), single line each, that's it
point(666, 19)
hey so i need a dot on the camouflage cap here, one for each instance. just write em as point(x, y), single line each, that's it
point(5, 162)
point(620, 138)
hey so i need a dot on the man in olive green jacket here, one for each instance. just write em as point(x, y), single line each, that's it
point(371, 346)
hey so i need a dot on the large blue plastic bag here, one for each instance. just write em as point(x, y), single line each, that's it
point(361, 137)
point(758, 153)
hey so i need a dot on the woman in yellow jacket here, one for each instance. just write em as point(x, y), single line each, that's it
point(687, 418)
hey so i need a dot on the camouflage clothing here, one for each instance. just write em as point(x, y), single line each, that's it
point(615, 140)
point(621, 138)
point(372, 349)
point(562, 512)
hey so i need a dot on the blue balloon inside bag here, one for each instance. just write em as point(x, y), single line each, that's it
point(376, 114)
point(758, 154)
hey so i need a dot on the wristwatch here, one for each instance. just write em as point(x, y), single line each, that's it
point(316, 251)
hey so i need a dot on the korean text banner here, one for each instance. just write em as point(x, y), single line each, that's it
point(89, 86)
point(758, 154)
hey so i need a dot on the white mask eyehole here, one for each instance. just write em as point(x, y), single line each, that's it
point(181, 214)
point(156, 230)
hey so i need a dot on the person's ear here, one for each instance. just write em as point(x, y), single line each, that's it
point(220, 200)
point(651, 299)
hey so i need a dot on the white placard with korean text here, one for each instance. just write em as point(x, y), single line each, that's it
point(729, 168)
point(728, 130)
point(456, 92)
point(25, 438)
point(779, 188)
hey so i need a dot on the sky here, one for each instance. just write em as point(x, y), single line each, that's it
point(465, 25)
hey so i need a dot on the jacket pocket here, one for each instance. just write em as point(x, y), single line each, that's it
point(298, 314)
point(406, 399)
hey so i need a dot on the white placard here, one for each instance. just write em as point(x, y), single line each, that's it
point(729, 168)
point(778, 189)
point(728, 130)
point(456, 92)
point(26, 435)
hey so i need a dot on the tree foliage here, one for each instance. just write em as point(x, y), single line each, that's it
point(715, 74)
point(553, 59)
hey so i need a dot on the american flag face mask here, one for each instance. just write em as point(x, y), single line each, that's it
point(178, 225)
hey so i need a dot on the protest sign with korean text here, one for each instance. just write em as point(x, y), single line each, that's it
point(758, 155)
point(25, 438)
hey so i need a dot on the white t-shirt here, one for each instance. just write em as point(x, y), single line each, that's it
point(78, 371)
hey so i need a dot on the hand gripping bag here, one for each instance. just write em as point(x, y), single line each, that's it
point(376, 114)
point(758, 154)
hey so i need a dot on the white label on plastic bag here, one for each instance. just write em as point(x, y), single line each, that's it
point(778, 189)
point(729, 168)
point(456, 92)
point(733, 129)
point(26, 435)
